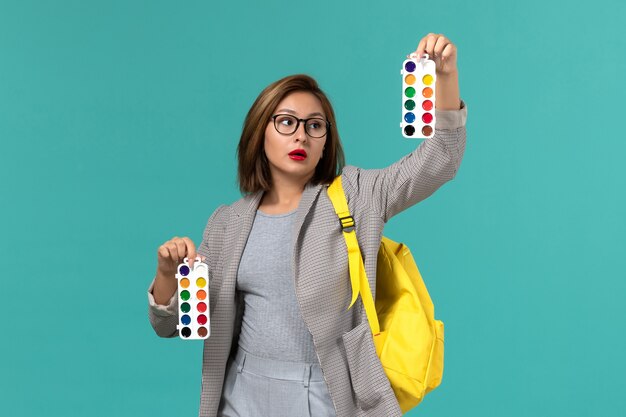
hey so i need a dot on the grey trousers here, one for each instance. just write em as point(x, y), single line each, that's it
point(259, 387)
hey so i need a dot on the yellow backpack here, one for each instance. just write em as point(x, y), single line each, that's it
point(408, 339)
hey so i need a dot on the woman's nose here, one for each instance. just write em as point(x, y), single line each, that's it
point(300, 133)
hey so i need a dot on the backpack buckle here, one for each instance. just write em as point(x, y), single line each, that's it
point(347, 223)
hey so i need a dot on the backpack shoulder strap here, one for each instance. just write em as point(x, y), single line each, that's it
point(358, 277)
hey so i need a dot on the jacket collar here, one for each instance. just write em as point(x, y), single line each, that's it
point(248, 205)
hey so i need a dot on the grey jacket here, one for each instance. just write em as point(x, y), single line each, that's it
point(343, 340)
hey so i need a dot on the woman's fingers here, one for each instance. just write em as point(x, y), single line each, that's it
point(421, 46)
point(448, 58)
point(432, 44)
point(163, 254)
point(426, 45)
point(164, 259)
point(190, 250)
point(174, 257)
point(448, 51)
point(440, 49)
point(174, 251)
point(440, 43)
point(431, 40)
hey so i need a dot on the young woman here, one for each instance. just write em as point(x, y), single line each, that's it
point(283, 342)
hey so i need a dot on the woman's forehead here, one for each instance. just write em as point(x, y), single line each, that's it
point(301, 103)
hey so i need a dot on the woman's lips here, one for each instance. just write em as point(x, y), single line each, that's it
point(298, 154)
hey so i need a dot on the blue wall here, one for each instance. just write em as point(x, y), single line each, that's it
point(112, 113)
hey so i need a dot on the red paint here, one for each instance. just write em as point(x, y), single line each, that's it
point(202, 319)
point(201, 307)
point(427, 105)
point(427, 118)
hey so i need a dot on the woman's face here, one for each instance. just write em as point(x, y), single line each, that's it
point(278, 146)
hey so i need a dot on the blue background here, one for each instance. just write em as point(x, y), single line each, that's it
point(113, 112)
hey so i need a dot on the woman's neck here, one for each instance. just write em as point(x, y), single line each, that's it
point(282, 197)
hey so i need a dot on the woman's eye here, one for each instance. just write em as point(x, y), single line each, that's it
point(316, 124)
point(286, 121)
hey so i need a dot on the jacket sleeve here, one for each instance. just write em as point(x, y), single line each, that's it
point(164, 318)
point(390, 190)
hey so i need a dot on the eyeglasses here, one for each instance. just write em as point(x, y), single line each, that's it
point(287, 124)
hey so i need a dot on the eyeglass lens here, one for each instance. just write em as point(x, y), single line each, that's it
point(288, 124)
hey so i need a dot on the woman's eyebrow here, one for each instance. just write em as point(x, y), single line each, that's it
point(294, 113)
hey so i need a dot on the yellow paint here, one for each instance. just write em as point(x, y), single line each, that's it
point(427, 79)
point(201, 282)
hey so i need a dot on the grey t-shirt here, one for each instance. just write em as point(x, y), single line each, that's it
point(272, 326)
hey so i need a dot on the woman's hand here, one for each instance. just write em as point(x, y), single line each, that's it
point(172, 253)
point(441, 50)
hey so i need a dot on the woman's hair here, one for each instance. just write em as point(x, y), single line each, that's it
point(254, 173)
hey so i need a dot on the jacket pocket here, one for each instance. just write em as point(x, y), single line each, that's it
point(366, 373)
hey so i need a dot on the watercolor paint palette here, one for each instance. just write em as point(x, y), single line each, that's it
point(193, 300)
point(418, 97)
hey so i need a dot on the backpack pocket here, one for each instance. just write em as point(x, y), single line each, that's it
point(435, 367)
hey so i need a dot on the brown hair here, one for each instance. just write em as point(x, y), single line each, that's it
point(253, 173)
